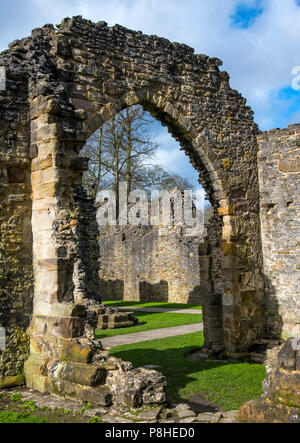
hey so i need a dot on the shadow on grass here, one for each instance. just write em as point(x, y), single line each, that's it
point(124, 304)
point(207, 385)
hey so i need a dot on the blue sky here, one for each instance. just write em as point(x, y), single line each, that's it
point(245, 14)
point(258, 41)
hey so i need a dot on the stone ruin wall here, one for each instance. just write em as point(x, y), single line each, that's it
point(79, 77)
point(16, 273)
point(150, 265)
point(279, 170)
point(73, 80)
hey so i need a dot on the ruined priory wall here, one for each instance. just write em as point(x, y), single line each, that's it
point(25, 63)
point(150, 265)
point(16, 283)
point(79, 76)
point(279, 167)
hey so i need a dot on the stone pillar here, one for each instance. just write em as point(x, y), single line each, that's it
point(57, 319)
point(232, 290)
point(243, 285)
point(65, 359)
point(230, 281)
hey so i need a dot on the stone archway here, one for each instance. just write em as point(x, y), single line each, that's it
point(79, 77)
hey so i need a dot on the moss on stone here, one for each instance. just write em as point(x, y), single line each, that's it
point(12, 382)
point(12, 359)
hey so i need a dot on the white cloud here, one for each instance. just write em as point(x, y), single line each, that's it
point(170, 157)
point(259, 59)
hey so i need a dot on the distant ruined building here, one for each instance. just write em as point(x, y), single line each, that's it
point(61, 86)
point(147, 265)
point(152, 263)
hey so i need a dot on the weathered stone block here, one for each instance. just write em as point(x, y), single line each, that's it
point(285, 388)
point(289, 165)
point(45, 176)
point(216, 336)
point(99, 396)
point(115, 321)
point(226, 211)
point(287, 356)
point(80, 374)
point(229, 262)
point(61, 388)
point(66, 327)
point(12, 381)
point(45, 190)
point(39, 383)
point(34, 370)
point(60, 348)
point(264, 411)
point(248, 298)
point(204, 262)
point(73, 351)
point(63, 47)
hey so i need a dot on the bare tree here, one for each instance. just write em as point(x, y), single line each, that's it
point(96, 172)
point(124, 150)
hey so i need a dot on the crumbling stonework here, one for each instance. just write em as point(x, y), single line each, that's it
point(113, 319)
point(78, 77)
point(280, 402)
point(279, 166)
point(60, 410)
point(149, 264)
point(62, 85)
point(16, 273)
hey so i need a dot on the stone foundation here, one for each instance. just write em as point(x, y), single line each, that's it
point(67, 361)
point(61, 410)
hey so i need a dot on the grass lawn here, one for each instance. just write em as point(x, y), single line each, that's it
point(153, 320)
point(132, 304)
point(227, 385)
point(14, 408)
point(18, 417)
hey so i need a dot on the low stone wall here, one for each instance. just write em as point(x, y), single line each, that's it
point(66, 360)
point(150, 265)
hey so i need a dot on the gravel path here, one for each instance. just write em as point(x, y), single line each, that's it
point(165, 310)
point(138, 337)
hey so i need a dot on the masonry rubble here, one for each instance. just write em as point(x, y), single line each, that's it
point(117, 414)
point(280, 402)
